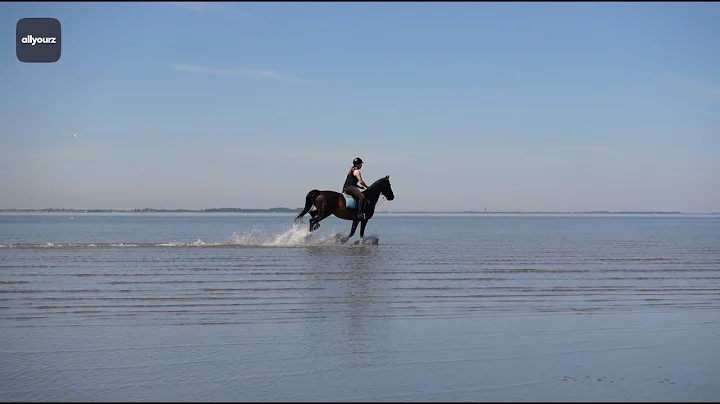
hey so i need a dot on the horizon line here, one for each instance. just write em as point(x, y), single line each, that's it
point(292, 210)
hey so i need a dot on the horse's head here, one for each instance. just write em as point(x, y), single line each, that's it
point(386, 188)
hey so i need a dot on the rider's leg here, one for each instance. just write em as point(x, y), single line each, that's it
point(361, 206)
point(359, 199)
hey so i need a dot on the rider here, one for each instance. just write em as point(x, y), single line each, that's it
point(351, 185)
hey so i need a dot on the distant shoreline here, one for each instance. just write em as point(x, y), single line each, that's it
point(297, 210)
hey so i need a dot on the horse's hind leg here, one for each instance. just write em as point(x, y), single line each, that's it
point(317, 215)
point(313, 215)
point(315, 222)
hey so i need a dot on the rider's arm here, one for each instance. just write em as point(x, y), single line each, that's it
point(359, 177)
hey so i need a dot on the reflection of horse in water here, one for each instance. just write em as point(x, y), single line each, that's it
point(356, 324)
point(343, 206)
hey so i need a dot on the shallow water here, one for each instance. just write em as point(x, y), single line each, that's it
point(229, 307)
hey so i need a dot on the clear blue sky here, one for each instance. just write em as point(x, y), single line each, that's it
point(534, 106)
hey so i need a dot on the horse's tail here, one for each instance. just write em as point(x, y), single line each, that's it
point(309, 199)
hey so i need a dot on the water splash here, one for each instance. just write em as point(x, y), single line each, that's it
point(296, 236)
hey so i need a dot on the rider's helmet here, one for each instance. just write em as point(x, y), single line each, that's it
point(357, 161)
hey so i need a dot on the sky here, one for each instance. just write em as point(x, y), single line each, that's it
point(467, 106)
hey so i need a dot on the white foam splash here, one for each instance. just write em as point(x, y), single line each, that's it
point(297, 236)
point(198, 243)
point(254, 238)
point(171, 244)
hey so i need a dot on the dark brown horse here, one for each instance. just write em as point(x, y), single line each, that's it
point(333, 203)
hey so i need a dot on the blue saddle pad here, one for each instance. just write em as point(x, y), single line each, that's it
point(350, 202)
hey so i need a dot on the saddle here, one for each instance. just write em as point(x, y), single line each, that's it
point(350, 201)
point(346, 195)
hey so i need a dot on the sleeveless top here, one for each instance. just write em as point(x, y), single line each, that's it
point(351, 180)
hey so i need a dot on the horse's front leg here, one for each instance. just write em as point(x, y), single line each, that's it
point(352, 230)
point(362, 228)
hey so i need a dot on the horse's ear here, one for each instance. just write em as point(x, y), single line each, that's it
point(387, 177)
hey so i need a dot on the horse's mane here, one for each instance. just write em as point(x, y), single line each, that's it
point(377, 183)
point(374, 188)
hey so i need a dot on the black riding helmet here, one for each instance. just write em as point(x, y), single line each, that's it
point(357, 161)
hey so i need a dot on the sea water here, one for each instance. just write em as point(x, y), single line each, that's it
point(233, 307)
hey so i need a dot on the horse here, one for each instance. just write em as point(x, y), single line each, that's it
point(329, 203)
